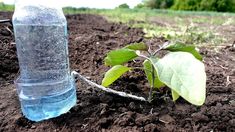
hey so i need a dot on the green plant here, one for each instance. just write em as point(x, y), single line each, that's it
point(186, 5)
point(181, 69)
point(158, 4)
point(124, 6)
point(4, 7)
point(139, 6)
point(205, 5)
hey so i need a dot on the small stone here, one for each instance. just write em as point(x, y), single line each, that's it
point(232, 122)
point(150, 128)
point(224, 99)
point(33, 127)
point(142, 120)
point(219, 105)
point(132, 106)
point(233, 71)
point(199, 117)
point(125, 119)
point(122, 109)
point(104, 108)
point(166, 119)
point(105, 122)
point(232, 103)
point(106, 98)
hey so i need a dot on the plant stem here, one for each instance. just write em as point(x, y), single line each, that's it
point(152, 85)
point(161, 48)
point(145, 57)
point(123, 94)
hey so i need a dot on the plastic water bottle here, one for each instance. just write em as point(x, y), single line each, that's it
point(45, 86)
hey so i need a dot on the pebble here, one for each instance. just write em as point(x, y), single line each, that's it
point(33, 127)
point(132, 106)
point(232, 122)
point(166, 119)
point(232, 103)
point(199, 117)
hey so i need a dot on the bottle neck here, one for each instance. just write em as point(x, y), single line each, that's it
point(38, 12)
point(38, 3)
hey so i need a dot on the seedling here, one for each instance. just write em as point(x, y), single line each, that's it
point(180, 69)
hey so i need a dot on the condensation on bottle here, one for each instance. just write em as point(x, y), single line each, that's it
point(45, 86)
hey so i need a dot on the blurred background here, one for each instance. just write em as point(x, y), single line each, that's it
point(192, 5)
point(199, 22)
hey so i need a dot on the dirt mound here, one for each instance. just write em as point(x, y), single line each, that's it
point(90, 38)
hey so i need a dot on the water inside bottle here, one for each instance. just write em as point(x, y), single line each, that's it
point(45, 86)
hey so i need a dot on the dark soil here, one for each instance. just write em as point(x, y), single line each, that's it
point(90, 38)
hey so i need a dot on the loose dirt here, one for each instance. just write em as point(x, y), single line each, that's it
point(90, 38)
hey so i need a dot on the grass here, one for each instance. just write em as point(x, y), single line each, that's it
point(4, 7)
point(125, 15)
point(200, 28)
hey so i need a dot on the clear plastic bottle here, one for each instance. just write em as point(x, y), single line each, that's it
point(45, 86)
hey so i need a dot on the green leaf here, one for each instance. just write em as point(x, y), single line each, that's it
point(147, 69)
point(185, 48)
point(113, 74)
point(137, 46)
point(120, 56)
point(175, 95)
point(183, 73)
